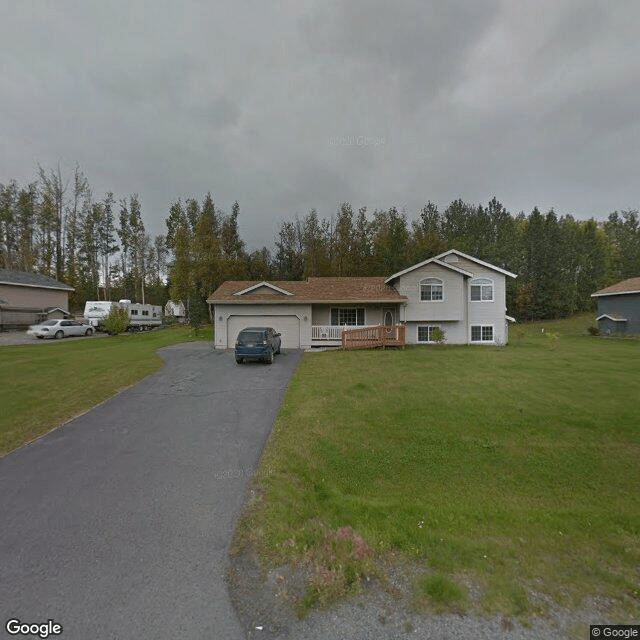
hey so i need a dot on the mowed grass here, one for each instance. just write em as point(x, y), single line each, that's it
point(508, 478)
point(44, 385)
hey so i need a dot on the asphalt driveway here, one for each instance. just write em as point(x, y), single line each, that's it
point(117, 524)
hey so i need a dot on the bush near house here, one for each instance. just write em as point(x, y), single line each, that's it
point(116, 322)
point(507, 477)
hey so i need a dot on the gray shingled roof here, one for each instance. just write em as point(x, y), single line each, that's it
point(22, 278)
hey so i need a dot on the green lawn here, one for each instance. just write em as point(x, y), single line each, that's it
point(509, 477)
point(44, 385)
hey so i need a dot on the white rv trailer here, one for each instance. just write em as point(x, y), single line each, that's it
point(97, 311)
point(141, 316)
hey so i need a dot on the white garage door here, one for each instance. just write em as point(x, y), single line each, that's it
point(288, 326)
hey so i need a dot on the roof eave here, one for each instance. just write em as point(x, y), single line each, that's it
point(298, 301)
point(613, 293)
point(263, 283)
point(613, 319)
point(64, 287)
point(446, 265)
point(473, 259)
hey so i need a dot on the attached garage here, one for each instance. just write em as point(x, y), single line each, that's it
point(287, 325)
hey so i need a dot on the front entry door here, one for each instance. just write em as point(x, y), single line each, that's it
point(388, 319)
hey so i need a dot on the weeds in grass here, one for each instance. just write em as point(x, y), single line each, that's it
point(553, 339)
point(440, 593)
point(336, 568)
point(514, 467)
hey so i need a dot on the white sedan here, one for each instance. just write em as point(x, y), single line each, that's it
point(59, 329)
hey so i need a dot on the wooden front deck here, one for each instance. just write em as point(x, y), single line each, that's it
point(372, 337)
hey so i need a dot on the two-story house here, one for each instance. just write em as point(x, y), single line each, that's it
point(457, 293)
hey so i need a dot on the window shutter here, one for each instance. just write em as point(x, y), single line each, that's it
point(334, 317)
point(360, 316)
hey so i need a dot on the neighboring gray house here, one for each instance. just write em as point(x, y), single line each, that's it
point(619, 308)
point(26, 298)
point(463, 296)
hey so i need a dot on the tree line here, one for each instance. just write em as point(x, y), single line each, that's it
point(101, 248)
point(55, 227)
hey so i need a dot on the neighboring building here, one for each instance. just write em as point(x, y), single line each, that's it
point(619, 308)
point(463, 296)
point(175, 309)
point(27, 298)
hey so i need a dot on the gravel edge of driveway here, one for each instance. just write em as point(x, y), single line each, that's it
point(263, 601)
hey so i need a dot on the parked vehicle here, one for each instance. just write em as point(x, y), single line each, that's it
point(257, 343)
point(97, 311)
point(141, 316)
point(59, 329)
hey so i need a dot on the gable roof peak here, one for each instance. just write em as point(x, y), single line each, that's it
point(263, 283)
point(476, 260)
point(440, 259)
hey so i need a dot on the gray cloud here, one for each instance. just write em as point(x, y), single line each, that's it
point(297, 104)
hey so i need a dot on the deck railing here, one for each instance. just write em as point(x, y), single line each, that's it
point(331, 332)
point(383, 335)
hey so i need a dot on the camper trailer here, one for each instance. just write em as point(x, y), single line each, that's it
point(141, 316)
point(97, 311)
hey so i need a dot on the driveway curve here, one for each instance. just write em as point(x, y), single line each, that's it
point(117, 524)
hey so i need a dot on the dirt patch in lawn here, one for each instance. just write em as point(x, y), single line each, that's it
point(267, 603)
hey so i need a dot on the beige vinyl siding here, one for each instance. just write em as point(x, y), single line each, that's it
point(456, 313)
point(450, 308)
point(455, 332)
point(287, 326)
point(490, 313)
point(17, 296)
point(486, 313)
point(228, 318)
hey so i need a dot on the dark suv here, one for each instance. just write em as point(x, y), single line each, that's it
point(257, 343)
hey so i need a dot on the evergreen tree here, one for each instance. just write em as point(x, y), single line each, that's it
point(426, 240)
point(25, 220)
point(182, 276)
point(259, 265)
point(315, 249)
point(207, 250)
point(289, 261)
point(362, 244)
point(390, 241)
point(623, 232)
point(342, 258)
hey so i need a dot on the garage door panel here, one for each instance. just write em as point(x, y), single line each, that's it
point(287, 325)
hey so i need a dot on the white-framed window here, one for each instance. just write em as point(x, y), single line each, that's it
point(431, 290)
point(351, 316)
point(425, 332)
point(482, 290)
point(482, 333)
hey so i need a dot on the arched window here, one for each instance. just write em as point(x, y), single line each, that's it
point(431, 289)
point(482, 290)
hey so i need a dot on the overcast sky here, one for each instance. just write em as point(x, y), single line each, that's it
point(286, 105)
